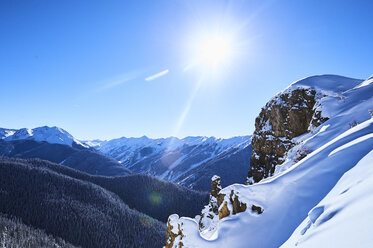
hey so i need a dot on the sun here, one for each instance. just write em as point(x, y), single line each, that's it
point(214, 51)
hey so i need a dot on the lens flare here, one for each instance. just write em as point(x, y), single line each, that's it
point(157, 75)
point(146, 221)
point(155, 198)
point(169, 158)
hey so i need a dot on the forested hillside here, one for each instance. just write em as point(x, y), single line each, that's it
point(144, 193)
point(13, 233)
point(78, 211)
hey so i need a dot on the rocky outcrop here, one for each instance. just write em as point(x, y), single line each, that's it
point(219, 205)
point(287, 115)
point(257, 209)
point(233, 205)
point(215, 186)
point(210, 212)
point(174, 234)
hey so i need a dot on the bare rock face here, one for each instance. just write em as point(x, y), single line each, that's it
point(215, 186)
point(236, 205)
point(174, 234)
point(224, 211)
point(284, 117)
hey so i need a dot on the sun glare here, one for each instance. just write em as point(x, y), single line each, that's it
point(214, 51)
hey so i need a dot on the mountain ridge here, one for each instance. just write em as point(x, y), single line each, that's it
point(52, 135)
point(185, 161)
point(174, 159)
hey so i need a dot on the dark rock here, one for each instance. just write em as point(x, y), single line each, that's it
point(286, 116)
point(171, 236)
point(237, 205)
point(215, 186)
point(257, 209)
point(220, 199)
point(224, 211)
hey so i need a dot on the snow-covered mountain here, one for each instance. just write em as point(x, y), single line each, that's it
point(52, 135)
point(183, 161)
point(190, 161)
point(57, 145)
point(313, 186)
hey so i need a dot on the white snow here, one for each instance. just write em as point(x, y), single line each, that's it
point(330, 85)
point(343, 218)
point(354, 142)
point(366, 82)
point(53, 135)
point(296, 188)
point(6, 132)
point(214, 177)
point(92, 143)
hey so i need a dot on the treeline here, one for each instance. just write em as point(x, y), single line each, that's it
point(14, 234)
point(78, 211)
point(154, 197)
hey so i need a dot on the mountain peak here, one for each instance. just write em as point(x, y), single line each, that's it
point(53, 135)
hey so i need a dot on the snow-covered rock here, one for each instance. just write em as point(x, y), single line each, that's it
point(293, 112)
point(277, 205)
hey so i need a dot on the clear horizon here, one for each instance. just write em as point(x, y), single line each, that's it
point(104, 70)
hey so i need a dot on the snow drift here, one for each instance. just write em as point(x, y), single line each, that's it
point(289, 197)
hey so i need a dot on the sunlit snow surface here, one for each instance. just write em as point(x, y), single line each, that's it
point(298, 187)
point(343, 218)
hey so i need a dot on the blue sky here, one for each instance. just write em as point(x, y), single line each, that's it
point(82, 65)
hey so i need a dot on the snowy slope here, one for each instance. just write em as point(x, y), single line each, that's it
point(343, 214)
point(336, 146)
point(175, 159)
point(53, 135)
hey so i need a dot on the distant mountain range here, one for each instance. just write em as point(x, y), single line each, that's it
point(191, 161)
point(184, 161)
